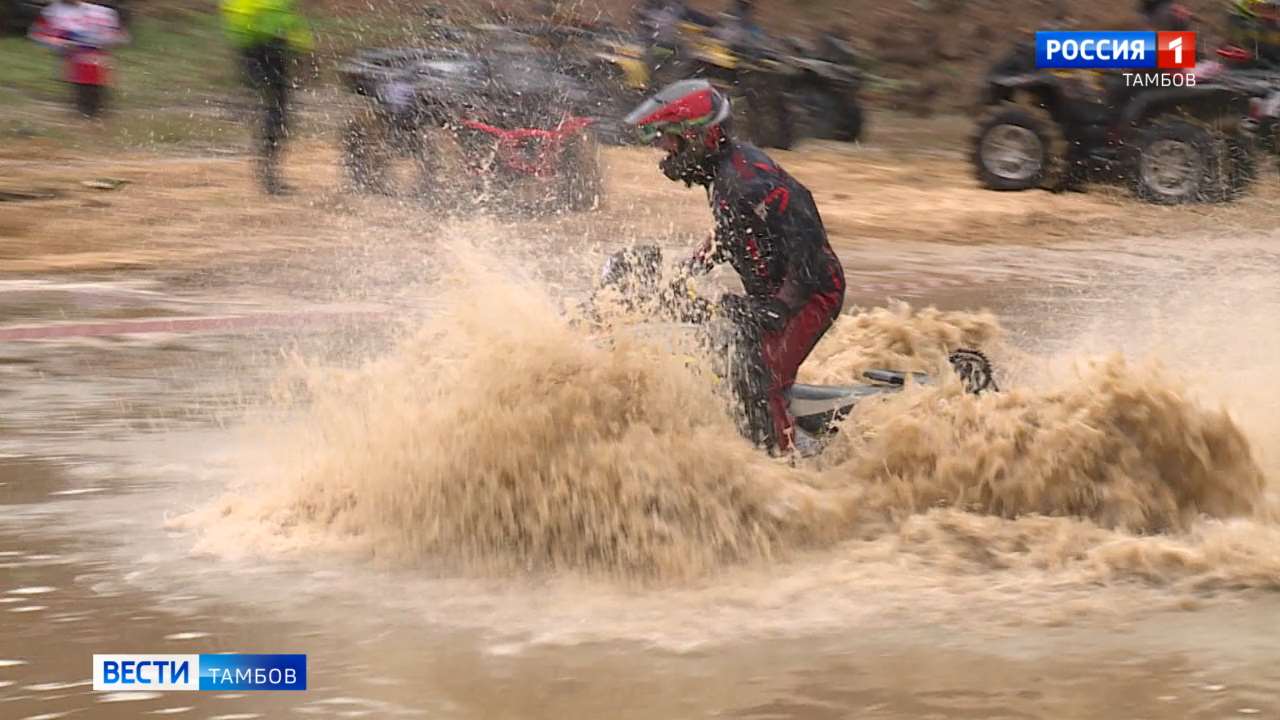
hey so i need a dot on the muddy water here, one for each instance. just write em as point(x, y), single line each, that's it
point(108, 445)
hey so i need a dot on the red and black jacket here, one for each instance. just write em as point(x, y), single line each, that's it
point(768, 228)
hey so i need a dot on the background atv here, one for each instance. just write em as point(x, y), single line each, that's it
point(512, 116)
point(610, 62)
point(1057, 129)
point(826, 94)
point(781, 90)
point(755, 76)
point(622, 70)
point(1260, 79)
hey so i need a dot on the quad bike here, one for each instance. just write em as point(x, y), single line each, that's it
point(1262, 78)
point(1056, 129)
point(565, 154)
point(612, 63)
point(632, 277)
point(512, 116)
point(827, 89)
point(754, 75)
point(624, 70)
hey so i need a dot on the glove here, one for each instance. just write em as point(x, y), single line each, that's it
point(683, 304)
point(678, 167)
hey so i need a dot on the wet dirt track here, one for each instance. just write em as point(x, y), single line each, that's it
point(107, 437)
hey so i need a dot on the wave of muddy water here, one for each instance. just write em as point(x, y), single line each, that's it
point(1099, 541)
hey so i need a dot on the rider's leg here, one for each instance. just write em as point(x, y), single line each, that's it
point(267, 67)
point(783, 352)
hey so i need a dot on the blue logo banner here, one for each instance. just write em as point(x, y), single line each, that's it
point(253, 672)
point(220, 672)
point(1096, 49)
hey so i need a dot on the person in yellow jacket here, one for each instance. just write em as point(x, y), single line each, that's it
point(268, 35)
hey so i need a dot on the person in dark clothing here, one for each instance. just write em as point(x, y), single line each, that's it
point(768, 228)
point(266, 69)
point(268, 33)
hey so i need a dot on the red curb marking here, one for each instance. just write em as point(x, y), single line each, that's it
point(177, 325)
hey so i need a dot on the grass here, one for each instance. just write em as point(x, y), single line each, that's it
point(167, 59)
point(163, 81)
point(169, 80)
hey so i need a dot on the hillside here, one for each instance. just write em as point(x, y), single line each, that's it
point(930, 52)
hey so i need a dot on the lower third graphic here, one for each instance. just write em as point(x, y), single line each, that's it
point(221, 672)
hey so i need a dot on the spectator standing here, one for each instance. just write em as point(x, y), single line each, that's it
point(81, 33)
point(269, 35)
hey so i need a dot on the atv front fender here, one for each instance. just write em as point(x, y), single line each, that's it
point(834, 75)
point(1003, 88)
point(1207, 102)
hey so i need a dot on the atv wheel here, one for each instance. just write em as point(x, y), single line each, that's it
point(817, 113)
point(974, 371)
point(1182, 161)
point(1242, 154)
point(829, 114)
point(581, 181)
point(373, 143)
point(762, 112)
point(853, 123)
point(1017, 149)
point(366, 153)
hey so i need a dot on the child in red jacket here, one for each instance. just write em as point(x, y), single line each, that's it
point(81, 32)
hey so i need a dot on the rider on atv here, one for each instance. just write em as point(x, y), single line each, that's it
point(769, 230)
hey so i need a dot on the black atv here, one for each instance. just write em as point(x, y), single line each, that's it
point(1261, 77)
point(1059, 129)
point(513, 116)
point(751, 69)
point(825, 95)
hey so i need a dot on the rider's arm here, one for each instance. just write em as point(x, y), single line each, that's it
point(706, 257)
point(711, 252)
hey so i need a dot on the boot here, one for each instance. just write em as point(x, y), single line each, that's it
point(804, 444)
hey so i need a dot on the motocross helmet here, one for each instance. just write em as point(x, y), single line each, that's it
point(691, 121)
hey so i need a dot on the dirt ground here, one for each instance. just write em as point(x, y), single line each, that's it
point(911, 183)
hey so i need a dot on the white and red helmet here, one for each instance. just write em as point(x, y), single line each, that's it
point(692, 110)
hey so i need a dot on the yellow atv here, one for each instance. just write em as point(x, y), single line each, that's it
point(751, 72)
point(623, 70)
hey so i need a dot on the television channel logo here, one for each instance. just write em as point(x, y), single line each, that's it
point(208, 672)
point(1115, 50)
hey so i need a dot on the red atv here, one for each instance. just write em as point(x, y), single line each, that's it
point(519, 129)
point(561, 160)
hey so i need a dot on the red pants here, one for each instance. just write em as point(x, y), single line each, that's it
point(783, 353)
